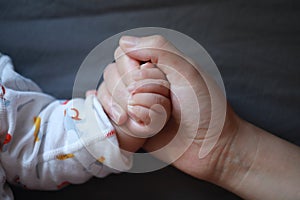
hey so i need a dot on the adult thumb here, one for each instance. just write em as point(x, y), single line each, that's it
point(183, 74)
point(158, 50)
point(146, 48)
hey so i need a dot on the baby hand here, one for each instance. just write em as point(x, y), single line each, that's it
point(143, 93)
point(148, 101)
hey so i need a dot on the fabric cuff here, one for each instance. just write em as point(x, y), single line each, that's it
point(100, 154)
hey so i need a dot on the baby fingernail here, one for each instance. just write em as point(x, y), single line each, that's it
point(130, 110)
point(132, 113)
point(131, 101)
point(147, 65)
point(116, 114)
point(131, 87)
point(136, 75)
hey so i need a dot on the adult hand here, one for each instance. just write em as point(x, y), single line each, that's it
point(201, 126)
point(221, 148)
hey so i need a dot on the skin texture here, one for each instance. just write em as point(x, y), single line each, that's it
point(217, 145)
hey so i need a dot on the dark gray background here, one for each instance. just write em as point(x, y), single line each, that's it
point(255, 44)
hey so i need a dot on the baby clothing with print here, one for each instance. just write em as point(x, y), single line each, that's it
point(48, 143)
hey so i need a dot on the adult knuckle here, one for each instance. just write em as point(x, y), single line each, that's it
point(159, 40)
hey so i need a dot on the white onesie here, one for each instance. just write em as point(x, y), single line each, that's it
point(47, 143)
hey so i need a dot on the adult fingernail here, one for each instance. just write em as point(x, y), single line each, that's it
point(129, 41)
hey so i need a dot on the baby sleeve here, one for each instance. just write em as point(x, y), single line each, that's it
point(48, 143)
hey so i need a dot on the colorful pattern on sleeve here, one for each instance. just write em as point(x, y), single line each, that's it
point(46, 143)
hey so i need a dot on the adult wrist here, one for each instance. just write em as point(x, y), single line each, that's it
point(237, 155)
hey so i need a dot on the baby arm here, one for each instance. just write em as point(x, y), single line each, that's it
point(48, 143)
point(145, 91)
